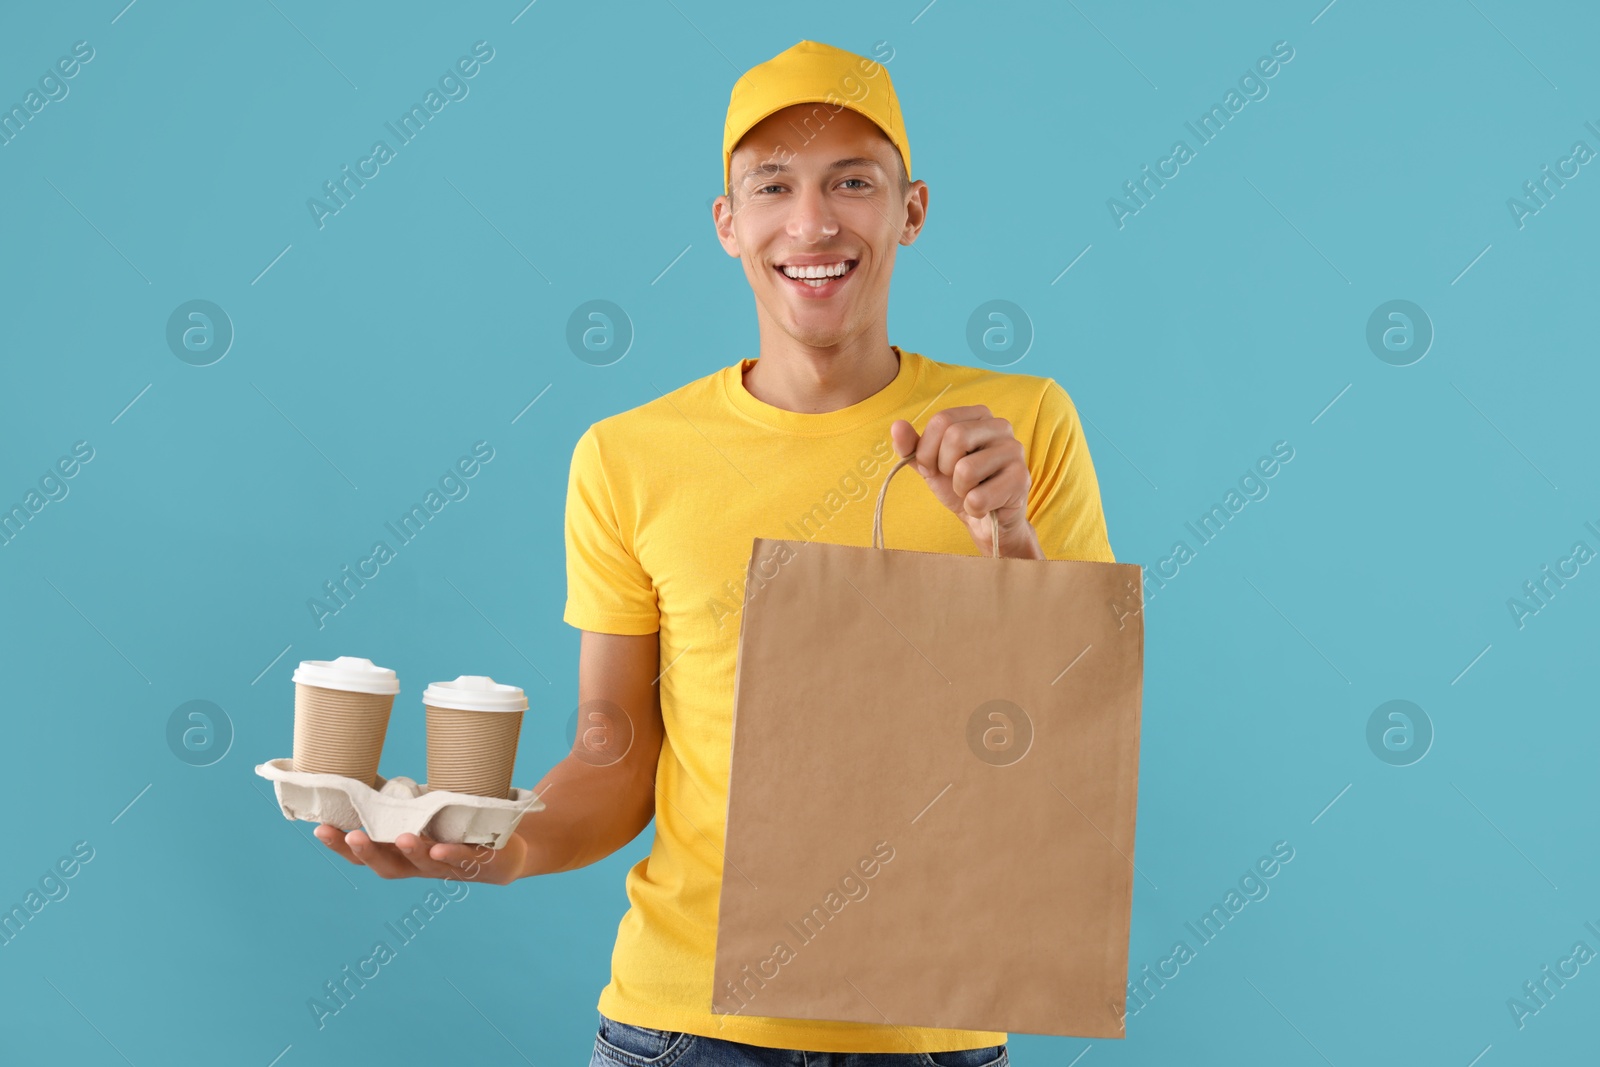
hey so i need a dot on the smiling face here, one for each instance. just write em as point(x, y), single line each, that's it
point(816, 221)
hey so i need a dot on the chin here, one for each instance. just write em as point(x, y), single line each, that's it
point(819, 337)
point(820, 329)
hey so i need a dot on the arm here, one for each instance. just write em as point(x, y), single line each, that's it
point(598, 797)
point(603, 792)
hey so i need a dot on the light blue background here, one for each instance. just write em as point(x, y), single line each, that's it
point(1228, 314)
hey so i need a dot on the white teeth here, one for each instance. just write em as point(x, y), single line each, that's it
point(833, 270)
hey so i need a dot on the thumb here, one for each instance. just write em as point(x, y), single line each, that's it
point(905, 438)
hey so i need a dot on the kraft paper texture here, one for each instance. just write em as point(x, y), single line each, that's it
point(932, 791)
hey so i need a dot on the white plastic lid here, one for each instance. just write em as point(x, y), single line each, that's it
point(475, 692)
point(352, 674)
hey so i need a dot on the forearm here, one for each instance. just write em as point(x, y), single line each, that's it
point(589, 813)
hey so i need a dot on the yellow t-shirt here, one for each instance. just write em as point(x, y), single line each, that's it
point(662, 504)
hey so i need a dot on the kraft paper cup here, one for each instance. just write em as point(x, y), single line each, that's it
point(341, 714)
point(473, 724)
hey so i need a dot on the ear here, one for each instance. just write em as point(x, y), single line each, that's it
point(722, 220)
point(916, 211)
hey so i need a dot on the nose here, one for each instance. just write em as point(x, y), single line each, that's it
point(811, 219)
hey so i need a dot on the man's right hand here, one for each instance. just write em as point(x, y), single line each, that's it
point(417, 856)
point(602, 794)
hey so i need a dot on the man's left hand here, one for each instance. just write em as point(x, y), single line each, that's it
point(974, 464)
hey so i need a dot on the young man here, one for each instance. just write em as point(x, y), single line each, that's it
point(664, 500)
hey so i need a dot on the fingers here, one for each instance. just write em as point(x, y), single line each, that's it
point(971, 448)
point(410, 856)
point(991, 478)
point(477, 863)
point(968, 436)
point(420, 856)
point(384, 859)
point(420, 850)
point(333, 837)
point(949, 435)
point(976, 466)
point(972, 469)
point(904, 436)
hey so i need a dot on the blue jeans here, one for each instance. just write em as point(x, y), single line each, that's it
point(621, 1045)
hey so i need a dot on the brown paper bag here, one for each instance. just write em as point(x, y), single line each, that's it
point(932, 790)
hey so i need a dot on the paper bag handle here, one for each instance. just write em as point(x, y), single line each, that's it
point(877, 515)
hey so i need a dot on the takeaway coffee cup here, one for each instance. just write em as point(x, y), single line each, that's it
point(473, 723)
point(341, 713)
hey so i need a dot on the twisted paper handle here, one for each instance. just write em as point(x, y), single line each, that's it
point(877, 515)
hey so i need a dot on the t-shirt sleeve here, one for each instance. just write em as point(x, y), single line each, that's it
point(1064, 502)
point(608, 590)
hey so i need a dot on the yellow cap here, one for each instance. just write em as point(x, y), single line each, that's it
point(813, 73)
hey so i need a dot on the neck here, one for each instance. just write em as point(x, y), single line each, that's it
point(798, 377)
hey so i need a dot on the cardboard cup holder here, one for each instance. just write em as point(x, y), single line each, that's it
point(397, 806)
point(341, 717)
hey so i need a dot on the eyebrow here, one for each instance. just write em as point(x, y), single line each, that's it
point(766, 170)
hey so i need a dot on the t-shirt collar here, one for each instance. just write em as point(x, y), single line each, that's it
point(825, 423)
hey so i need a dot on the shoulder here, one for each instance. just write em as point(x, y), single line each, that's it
point(682, 407)
point(1025, 400)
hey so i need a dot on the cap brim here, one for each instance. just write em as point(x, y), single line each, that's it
point(727, 180)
